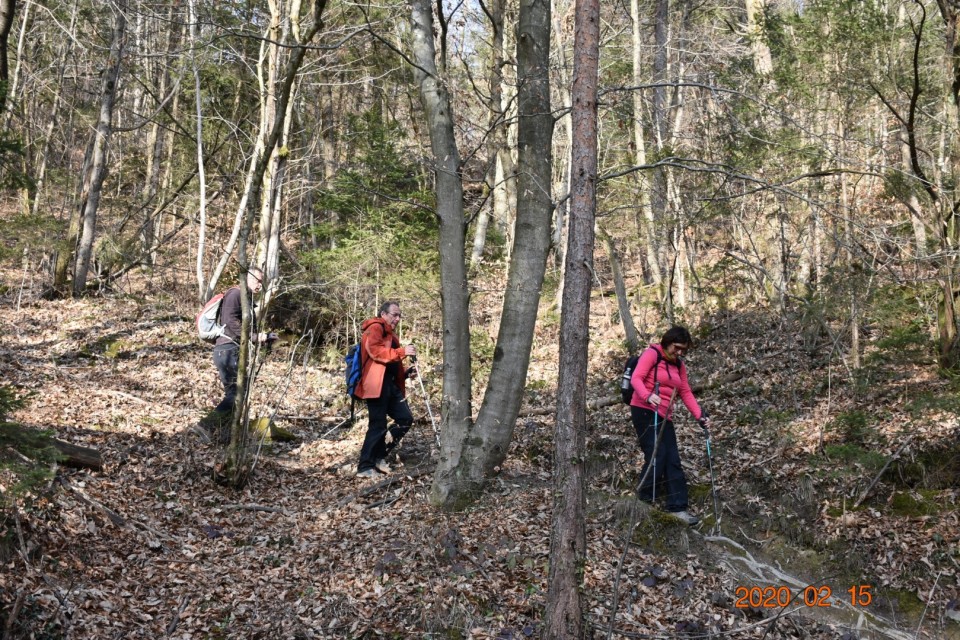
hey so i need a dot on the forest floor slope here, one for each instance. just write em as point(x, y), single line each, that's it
point(150, 547)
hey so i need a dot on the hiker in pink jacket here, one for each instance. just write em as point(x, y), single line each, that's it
point(658, 379)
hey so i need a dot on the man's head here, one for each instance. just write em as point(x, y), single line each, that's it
point(254, 280)
point(390, 312)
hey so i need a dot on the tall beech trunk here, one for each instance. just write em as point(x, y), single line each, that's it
point(501, 403)
point(564, 617)
point(472, 451)
point(456, 405)
point(469, 451)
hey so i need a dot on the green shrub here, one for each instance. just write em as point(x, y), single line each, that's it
point(377, 216)
point(853, 426)
point(25, 454)
point(854, 454)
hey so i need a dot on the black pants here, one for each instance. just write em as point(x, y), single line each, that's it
point(391, 403)
point(671, 483)
point(227, 359)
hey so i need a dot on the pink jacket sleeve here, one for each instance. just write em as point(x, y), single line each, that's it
point(686, 394)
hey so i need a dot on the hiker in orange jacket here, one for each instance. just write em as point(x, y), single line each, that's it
point(383, 386)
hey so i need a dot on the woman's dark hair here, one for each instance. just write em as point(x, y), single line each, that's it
point(676, 335)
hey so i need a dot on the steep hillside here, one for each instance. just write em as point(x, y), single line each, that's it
point(151, 547)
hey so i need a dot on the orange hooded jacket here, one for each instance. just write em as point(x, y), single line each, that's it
point(380, 347)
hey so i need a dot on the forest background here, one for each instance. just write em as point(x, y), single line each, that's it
point(778, 175)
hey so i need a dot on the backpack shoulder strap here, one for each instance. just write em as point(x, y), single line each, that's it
point(656, 365)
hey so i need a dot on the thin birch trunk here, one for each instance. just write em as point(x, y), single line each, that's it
point(98, 164)
point(497, 126)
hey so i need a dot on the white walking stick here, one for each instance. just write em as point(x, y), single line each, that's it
point(426, 400)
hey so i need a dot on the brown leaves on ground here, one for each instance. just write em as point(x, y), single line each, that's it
point(304, 552)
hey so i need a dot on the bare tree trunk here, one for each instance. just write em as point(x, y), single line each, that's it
point(659, 195)
point(470, 452)
point(271, 131)
point(456, 406)
point(236, 466)
point(65, 255)
point(487, 447)
point(505, 198)
point(195, 50)
point(268, 247)
point(948, 205)
point(915, 208)
point(564, 616)
point(154, 148)
point(623, 301)
point(652, 248)
point(328, 156)
point(7, 10)
point(66, 48)
point(98, 164)
point(498, 127)
point(561, 146)
point(762, 60)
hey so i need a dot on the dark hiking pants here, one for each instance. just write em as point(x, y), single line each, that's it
point(671, 483)
point(227, 359)
point(392, 404)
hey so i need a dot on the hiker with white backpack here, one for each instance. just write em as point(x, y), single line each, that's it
point(226, 350)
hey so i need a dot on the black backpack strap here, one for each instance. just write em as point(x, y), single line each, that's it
point(656, 365)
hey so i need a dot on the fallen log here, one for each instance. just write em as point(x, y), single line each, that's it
point(72, 455)
point(78, 457)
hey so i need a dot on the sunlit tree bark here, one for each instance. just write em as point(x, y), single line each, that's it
point(565, 610)
point(93, 181)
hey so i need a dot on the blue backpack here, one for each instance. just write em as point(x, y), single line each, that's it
point(352, 374)
point(354, 360)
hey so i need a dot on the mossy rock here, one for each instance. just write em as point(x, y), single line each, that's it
point(699, 492)
point(914, 503)
point(274, 433)
point(905, 602)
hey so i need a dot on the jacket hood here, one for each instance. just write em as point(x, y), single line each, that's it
point(378, 320)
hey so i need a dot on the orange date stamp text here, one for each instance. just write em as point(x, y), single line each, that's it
point(772, 597)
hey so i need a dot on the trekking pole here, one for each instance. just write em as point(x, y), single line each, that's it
point(426, 400)
point(713, 482)
point(656, 442)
